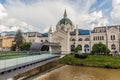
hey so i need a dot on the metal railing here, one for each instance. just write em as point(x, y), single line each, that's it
point(16, 60)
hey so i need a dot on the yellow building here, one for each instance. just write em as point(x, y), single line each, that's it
point(6, 42)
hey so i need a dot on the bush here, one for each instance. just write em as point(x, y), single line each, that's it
point(78, 48)
point(72, 53)
point(81, 56)
point(100, 48)
point(25, 46)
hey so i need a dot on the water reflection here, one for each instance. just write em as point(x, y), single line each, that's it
point(82, 73)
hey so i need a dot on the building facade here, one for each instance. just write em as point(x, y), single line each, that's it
point(69, 36)
point(7, 40)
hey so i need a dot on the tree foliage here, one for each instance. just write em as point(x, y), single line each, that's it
point(25, 46)
point(78, 48)
point(18, 39)
point(100, 48)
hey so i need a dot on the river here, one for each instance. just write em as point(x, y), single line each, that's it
point(81, 73)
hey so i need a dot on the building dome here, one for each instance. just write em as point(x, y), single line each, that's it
point(65, 23)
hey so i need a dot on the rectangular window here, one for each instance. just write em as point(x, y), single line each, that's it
point(112, 37)
point(102, 37)
point(98, 37)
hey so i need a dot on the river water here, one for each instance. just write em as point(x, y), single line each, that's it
point(81, 73)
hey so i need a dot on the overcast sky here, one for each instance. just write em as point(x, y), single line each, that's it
point(38, 15)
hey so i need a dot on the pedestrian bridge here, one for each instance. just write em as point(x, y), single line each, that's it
point(9, 64)
point(39, 54)
point(45, 46)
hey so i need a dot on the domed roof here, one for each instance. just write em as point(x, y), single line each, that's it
point(65, 20)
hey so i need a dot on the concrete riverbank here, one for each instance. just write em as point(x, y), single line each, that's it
point(68, 72)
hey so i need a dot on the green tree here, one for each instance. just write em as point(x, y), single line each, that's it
point(78, 48)
point(18, 39)
point(100, 48)
point(25, 46)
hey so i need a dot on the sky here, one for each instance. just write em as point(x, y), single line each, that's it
point(39, 15)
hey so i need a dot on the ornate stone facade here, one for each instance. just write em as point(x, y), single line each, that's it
point(69, 36)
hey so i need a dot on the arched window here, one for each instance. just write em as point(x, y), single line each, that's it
point(80, 39)
point(87, 39)
point(80, 46)
point(73, 39)
point(113, 47)
point(86, 48)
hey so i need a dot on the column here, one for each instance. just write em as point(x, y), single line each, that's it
point(90, 41)
point(76, 39)
point(68, 41)
point(50, 34)
point(107, 36)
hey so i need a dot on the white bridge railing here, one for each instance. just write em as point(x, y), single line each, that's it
point(8, 64)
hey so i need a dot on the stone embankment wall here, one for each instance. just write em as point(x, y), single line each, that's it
point(38, 70)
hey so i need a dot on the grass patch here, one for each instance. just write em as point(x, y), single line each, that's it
point(94, 61)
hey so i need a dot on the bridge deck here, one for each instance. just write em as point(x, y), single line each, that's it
point(9, 64)
point(9, 75)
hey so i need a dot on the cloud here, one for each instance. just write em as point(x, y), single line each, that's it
point(43, 13)
point(98, 19)
point(11, 24)
point(2, 12)
point(115, 13)
point(94, 19)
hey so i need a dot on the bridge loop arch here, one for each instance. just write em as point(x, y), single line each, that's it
point(38, 47)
